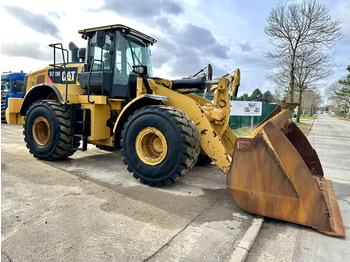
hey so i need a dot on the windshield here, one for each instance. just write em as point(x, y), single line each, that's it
point(130, 51)
point(5, 86)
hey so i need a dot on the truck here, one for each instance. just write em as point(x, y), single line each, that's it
point(11, 86)
point(107, 96)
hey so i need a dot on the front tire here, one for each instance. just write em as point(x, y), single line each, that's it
point(159, 144)
point(47, 130)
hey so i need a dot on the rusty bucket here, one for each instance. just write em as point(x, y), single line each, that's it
point(275, 172)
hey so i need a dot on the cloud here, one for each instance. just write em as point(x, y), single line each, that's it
point(37, 22)
point(183, 47)
point(54, 14)
point(202, 40)
point(245, 46)
point(163, 24)
point(29, 49)
point(143, 9)
point(186, 48)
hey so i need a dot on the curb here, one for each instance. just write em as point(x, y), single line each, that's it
point(308, 131)
point(241, 251)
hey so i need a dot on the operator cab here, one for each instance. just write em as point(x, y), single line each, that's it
point(111, 54)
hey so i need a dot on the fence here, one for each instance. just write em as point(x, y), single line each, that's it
point(243, 121)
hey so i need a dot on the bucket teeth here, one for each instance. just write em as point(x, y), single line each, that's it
point(336, 221)
point(275, 172)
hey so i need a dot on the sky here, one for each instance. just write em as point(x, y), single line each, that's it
point(227, 34)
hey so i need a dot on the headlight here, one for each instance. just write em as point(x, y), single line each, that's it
point(140, 69)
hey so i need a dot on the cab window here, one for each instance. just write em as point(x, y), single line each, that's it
point(100, 58)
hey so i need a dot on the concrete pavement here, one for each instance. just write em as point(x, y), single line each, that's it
point(89, 208)
point(331, 139)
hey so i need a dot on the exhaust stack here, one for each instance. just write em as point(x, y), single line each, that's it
point(74, 52)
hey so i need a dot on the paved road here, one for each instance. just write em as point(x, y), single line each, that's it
point(331, 139)
point(280, 241)
point(89, 208)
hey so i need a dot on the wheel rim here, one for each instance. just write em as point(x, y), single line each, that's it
point(41, 130)
point(151, 146)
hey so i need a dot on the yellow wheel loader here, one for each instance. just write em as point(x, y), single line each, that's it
point(107, 96)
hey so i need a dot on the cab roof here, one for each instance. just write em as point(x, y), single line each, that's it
point(128, 30)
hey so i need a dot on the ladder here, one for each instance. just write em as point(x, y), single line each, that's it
point(81, 125)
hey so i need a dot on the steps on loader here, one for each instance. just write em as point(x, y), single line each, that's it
point(81, 125)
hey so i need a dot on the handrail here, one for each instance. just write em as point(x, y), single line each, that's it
point(59, 46)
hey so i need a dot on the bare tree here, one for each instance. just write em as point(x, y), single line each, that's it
point(280, 76)
point(278, 96)
point(312, 100)
point(295, 28)
point(335, 102)
point(311, 68)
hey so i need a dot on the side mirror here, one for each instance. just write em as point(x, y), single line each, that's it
point(18, 86)
point(100, 38)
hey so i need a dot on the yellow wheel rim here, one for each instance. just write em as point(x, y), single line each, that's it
point(151, 146)
point(41, 130)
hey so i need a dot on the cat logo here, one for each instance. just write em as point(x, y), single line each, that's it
point(61, 76)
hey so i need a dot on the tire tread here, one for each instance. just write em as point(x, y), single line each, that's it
point(189, 150)
point(66, 144)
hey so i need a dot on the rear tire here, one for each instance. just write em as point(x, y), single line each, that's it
point(159, 144)
point(3, 101)
point(47, 130)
